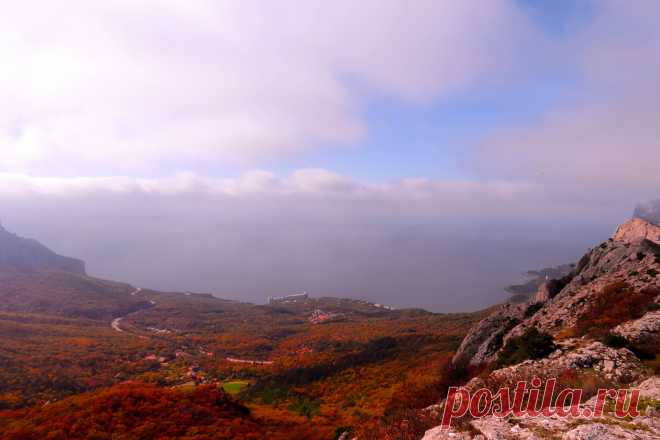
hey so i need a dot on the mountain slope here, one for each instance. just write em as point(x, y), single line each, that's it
point(598, 327)
point(27, 255)
point(66, 294)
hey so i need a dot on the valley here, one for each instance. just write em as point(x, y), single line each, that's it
point(141, 363)
point(69, 336)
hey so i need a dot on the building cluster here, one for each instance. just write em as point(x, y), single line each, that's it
point(288, 299)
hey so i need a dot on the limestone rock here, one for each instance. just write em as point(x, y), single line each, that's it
point(438, 433)
point(601, 431)
point(643, 333)
point(549, 289)
point(616, 366)
point(637, 230)
point(485, 339)
point(627, 263)
point(634, 264)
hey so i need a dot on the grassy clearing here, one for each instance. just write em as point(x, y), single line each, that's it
point(234, 387)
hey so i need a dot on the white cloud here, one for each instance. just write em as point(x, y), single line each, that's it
point(321, 192)
point(123, 85)
point(448, 245)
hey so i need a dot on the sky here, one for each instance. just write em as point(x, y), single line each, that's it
point(418, 154)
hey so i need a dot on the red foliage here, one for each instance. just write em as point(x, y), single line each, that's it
point(138, 411)
point(615, 304)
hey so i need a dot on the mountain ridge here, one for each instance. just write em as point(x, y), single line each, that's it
point(597, 327)
point(18, 254)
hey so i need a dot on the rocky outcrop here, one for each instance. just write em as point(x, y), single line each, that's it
point(535, 279)
point(605, 427)
point(643, 333)
point(614, 366)
point(559, 304)
point(485, 339)
point(549, 289)
point(633, 265)
point(19, 254)
point(637, 230)
point(614, 288)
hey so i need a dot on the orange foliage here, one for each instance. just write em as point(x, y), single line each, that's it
point(138, 411)
point(615, 304)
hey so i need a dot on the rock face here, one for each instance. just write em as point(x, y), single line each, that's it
point(637, 230)
point(483, 342)
point(634, 265)
point(643, 333)
point(613, 366)
point(614, 289)
point(605, 427)
point(549, 289)
point(19, 254)
point(631, 258)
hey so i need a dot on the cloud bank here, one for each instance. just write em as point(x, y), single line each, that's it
point(124, 86)
point(445, 246)
point(606, 139)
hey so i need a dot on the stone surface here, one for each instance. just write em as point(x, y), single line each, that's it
point(613, 366)
point(438, 433)
point(549, 289)
point(607, 427)
point(636, 230)
point(610, 263)
point(643, 333)
point(631, 258)
point(485, 339)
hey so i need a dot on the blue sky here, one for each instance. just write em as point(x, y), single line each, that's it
point(437, 139)
point(419, 114)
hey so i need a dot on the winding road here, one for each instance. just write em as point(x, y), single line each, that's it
point(115, 322)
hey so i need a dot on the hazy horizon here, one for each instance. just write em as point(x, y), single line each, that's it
point(446, 266)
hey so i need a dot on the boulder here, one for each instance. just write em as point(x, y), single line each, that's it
point(643, 333)
point(637, 230)
point(485, 339)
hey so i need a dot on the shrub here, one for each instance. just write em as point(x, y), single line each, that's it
point(531, 345)
point(615, 304)
point(614, 341)
point(341, 431)
point(306, 406)
point(532, 309)
point(643, 353)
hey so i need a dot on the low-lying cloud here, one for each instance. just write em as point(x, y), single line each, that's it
point(445, 246)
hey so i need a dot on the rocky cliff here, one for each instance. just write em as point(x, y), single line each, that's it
point(26, 255)
point(636, 231)
point(600, 327)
